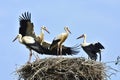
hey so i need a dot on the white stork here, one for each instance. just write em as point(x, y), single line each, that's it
point(91, 48)
point(40, 38)
point(27, 35)
point(58, 41)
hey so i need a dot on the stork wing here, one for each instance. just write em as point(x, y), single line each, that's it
point(90, 51)
point(96, 48)
point(46, 44)
point(99, 45)
point(88, 48)
point(54, 43)
point(26, 27)
point(65, 50)
point(44, 49)
point(70, 50)
point(38, 48)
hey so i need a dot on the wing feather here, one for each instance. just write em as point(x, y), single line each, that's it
point(26, 26)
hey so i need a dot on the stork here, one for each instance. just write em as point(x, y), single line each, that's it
point(40, 38)
point(58, 41)
point(91, 48)
point(27, 35)
point(28, 38)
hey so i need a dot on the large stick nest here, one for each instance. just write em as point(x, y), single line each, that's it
point(62, 69)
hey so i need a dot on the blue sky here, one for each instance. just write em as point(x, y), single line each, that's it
point(99, 19)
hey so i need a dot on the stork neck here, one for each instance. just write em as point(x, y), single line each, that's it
point(84, 39)
point(42, 34)
point(20, 39)
point(42, 31)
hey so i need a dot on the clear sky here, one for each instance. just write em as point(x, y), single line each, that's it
point(99, 19)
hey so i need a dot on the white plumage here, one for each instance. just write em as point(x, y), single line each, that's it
point(40, 38)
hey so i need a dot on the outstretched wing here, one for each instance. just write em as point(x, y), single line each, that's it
point(65, 50)
point(54, 43)
point(46, 44)
point(93, 49)
point(90, 51)
point(38, 48)
point(26, 26)
point(98, 45)
point(70, 50)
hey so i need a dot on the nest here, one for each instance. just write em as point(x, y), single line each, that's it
point(61, 68)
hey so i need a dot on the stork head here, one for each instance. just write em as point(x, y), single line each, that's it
point(67, 29)
point(17, 37)
point(44, 28)
point(82, 36)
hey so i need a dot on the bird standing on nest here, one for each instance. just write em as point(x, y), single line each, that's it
point(27, 35)
point(58, 41)
point(91, 48)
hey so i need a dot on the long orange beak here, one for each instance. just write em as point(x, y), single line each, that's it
point(80, 37)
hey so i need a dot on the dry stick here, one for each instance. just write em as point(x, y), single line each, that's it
point(38, 72)
point(46, 68)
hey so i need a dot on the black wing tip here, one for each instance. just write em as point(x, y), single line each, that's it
point(72, 50)
point(25, 16)
point(102, 47)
